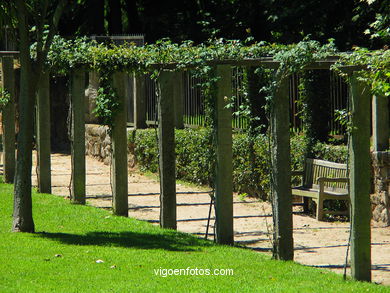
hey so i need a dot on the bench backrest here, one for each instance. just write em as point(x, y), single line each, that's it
point(314, 169)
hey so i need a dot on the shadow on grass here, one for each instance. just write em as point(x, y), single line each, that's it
point(169, 241)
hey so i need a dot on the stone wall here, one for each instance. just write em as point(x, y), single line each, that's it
point(98, 142)
point(380, 200)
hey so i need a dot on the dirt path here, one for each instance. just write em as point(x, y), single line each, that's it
point(319, 244)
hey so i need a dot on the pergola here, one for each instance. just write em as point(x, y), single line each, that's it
point(170, 85)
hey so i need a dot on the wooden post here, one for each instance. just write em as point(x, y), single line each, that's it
point(166, 145)
point(8, 117)
point(224, 168)
point(360, 181)
point(281, 173)
point(178, 93)
point(43, 134)
point(380, 123)
point(139, 102)
point(120, 203)
point(78, 136)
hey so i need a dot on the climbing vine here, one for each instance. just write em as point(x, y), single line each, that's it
point(5, 97)
point(372, 67)
point(201, 58)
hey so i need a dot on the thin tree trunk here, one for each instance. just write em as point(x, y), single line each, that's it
point(114, 17)
point(133, 21)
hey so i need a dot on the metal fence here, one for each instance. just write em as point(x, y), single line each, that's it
point(194, 106)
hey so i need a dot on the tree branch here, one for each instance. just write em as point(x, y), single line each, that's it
point(40, 29)
point(52, 30)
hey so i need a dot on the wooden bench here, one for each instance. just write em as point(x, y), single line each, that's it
point(323, 180)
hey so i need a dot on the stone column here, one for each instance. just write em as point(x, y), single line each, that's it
point(380, 123)
point(281, 173)
point(139, 102)
point(166, 145)
point(119, 150)
point(43, 134)
point(360, 181)
point(178, 98)
point(78, 136)
point(8, 117)
point(224, 168)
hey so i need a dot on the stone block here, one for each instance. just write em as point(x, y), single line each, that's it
point(375, 199)
point(377, 213)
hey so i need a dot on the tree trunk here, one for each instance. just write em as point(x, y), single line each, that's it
point(22, 215)
point(97, 21)
point(114, 17)
point(133, 21)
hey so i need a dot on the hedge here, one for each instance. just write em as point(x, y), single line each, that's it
point(251, 171)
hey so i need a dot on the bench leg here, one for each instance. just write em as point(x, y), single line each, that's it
point(305, 205)
point(320, 209)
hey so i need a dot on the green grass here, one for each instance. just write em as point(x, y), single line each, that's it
point(82, 234)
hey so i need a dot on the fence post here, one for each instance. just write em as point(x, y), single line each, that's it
point(120, 203)
point(380, 123)
point(166, 145)
point(224, 168)
point(78, 136)
point(43, 134)
point(8, 117)
point(281, 173)
point(360, 181)
point(178, 98)
point(139, 95)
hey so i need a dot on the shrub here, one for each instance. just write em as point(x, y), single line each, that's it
point(251, 167)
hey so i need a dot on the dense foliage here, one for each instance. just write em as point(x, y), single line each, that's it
point(373, 67)
point(150, 59)
point(193, 163)
point(349, 22)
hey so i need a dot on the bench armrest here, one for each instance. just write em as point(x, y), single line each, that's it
point(326, 179)
point(296, 173)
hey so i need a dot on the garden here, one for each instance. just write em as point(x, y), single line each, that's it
point(229, 177)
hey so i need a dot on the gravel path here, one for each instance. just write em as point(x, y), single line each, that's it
point(319, 244)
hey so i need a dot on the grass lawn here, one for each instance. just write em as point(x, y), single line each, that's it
point(62, 257)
